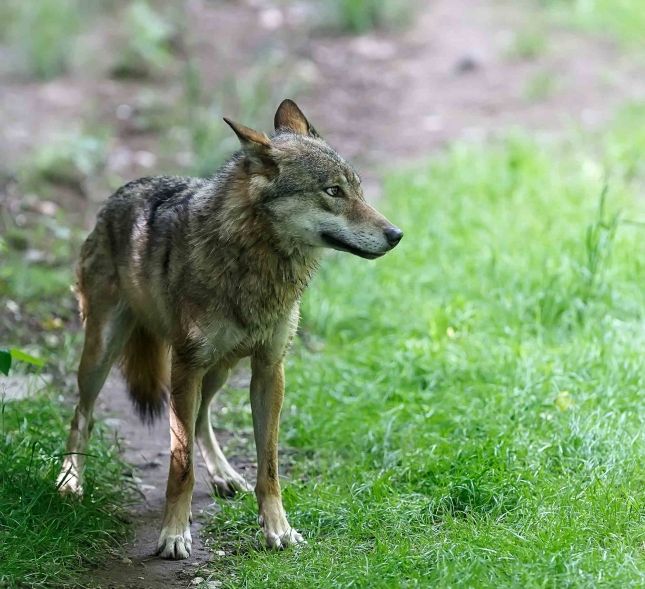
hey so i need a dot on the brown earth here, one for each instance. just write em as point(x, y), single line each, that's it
point(380, 99)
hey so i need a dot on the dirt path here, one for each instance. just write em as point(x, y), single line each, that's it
point(379, 99)
point(146, 449)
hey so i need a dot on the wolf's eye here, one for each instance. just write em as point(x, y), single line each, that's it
point(334, 191)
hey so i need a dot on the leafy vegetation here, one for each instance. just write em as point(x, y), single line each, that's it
point(67, 160)
point(42, 33)
point(148, 43)
point(359, 16)
point(527, 44)
point(475, 415)
point(622, 19)
point(540, 86)
point(8, 356)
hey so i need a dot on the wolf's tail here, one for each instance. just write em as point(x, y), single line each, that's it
point(145, 365)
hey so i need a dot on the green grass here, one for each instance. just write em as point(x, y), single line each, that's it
point(541, 86)
point(68, 159)
point(360, 16)
point(622, 19)
point(46, 541)
point(475, 415)
point(147, 47)
point(527, 45)
point(43, 34)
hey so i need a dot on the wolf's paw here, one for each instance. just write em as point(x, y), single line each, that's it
point(69, 485)
point(278, 534)
point(174, 543)
point(228, 483)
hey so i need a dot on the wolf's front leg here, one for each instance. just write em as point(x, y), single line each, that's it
point(175, 540)
point(267, 393)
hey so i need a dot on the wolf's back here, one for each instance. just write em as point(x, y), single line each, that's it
point(135, 232)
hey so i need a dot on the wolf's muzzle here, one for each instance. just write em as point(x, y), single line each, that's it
point(393, 235)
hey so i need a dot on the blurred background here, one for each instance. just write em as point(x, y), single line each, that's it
point(95, 93)
point(98, 92)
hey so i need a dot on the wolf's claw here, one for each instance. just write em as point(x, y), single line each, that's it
point(174, 544)
point(278, 533)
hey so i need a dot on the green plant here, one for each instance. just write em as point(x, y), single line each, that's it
point(622, 19)
point(44, 33)
point(540, 86)
point(68, 160)
point(359, 16)
point(148, 45)
point(7, 356)
point(599, 243)
point(527, 45)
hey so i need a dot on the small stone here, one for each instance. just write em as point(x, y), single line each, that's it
point(124, 112)
point(34, 256)
point(220, 553)
point(127, 561)
point(271, 19)
point(467, 64)
point(213, 584)
point(13, 307)
point(145, 159)
point(46, 207)
point(197, 581)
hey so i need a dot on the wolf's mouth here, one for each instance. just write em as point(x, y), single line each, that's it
point(337, 244)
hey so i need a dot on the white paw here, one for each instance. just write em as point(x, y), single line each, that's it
point(230, 483)
point(69, 485)
point(174, 543)
point(280, 535)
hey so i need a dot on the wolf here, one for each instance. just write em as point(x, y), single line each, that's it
point(181, 278)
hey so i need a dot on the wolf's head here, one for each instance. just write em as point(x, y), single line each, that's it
point(311, 195)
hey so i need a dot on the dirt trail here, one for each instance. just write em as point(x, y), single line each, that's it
point(146, 449)
point(379, 99)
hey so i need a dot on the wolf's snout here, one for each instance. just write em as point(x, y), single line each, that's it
point(394, 235)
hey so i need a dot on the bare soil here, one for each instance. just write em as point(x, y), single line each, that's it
point(381, 99)
point(146, 449)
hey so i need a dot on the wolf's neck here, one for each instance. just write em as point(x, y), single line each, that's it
point(232, 235)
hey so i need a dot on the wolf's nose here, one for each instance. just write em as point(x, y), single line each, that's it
point(394, 235)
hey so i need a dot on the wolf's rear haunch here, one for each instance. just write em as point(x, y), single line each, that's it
point(144, 361)
point(183, 277)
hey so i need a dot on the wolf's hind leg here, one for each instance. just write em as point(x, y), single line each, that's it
point(225, 479)
point(104, 338)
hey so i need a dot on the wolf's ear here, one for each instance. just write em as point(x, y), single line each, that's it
point(257, 148)
point(290, 117)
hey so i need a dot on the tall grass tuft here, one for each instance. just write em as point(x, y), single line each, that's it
point(360, 16)
point(43, 33)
